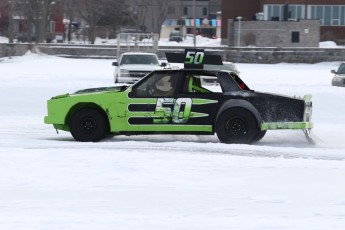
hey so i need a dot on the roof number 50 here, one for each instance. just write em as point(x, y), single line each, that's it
point(194, 57)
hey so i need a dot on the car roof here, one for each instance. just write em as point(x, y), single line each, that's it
point(138, 53)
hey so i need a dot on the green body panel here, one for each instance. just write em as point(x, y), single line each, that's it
point(287, 125)
point(115, 105)
point(112, 103)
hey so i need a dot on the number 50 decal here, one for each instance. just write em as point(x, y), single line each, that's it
point(178, 111)
point(193, 57)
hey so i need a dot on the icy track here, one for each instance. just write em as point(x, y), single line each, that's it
point(49, 181)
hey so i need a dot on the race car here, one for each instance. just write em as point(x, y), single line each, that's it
point(180, 101)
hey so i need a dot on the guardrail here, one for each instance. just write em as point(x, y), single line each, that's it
point(238, 55)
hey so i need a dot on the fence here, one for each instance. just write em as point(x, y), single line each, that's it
point(137, 42)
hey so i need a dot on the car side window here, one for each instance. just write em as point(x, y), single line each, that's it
point(200, 83)
point(160, 84)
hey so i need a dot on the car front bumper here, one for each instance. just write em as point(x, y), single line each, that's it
point(338, 81)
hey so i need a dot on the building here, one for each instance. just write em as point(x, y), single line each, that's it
point(330, 13)
point(180, 16)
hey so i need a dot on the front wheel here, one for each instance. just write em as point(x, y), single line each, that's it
point(237, 125)
point(88, 124)
point(259, 136)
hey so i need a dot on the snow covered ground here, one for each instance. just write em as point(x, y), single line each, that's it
point(50, 181)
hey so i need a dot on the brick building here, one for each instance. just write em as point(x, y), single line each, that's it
point(331, 14)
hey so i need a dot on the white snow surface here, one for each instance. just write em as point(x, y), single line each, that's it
point(49, 181)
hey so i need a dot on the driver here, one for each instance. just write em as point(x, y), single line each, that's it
point(163, 87)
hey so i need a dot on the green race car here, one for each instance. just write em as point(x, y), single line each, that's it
point(179, 101)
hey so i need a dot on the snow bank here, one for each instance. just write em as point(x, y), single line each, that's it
point(3, 39)
point(329, 44)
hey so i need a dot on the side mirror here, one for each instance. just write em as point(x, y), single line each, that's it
point(115, 63)
point(164, 64)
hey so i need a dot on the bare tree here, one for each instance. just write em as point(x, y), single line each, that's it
point(162, 5)
point(35, 13)
point(91, 11)
point(155, 10)
point(96, 12)
point(70, 10)
point(45, 8)
point(141, 10)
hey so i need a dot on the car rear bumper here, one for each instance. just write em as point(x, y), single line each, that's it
point(286, 125)
point(306, 124)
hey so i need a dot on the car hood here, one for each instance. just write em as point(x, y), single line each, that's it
point(102, 89)
point(340, 75)
point(94, 90)
point(140, 67)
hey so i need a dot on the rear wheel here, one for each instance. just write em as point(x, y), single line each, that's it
point(88, 124)
point(237, 125)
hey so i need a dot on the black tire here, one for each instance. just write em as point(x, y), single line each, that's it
point(259, 136)
point(88, 124)
point(237, 125)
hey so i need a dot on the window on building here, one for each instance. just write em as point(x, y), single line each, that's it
point(204, 11)
point(275, 12)
point(342, 15)
point(51, 26)
point(295, 37)
point(336, 15)
point(296, 12)
point(329, 15)
point(185, 10)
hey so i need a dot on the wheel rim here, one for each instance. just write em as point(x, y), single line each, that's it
point(88, 125)
point(237, 126)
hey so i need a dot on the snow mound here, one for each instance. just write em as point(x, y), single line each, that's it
point(328, 44)
point(3, 39)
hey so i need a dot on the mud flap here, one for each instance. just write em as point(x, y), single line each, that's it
point(307, 133)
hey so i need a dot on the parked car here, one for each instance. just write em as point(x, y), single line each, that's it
point(339, 77)
point(175, 35)
point(132, 66)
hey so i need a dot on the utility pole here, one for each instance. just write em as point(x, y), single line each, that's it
point(239, 31)
point(11, 22)
point(194, 29)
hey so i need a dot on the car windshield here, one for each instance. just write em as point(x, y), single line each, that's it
point(139, 59)
point(175, 33)
point(341, 69)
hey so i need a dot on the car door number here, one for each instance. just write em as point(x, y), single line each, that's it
point(175, 110)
